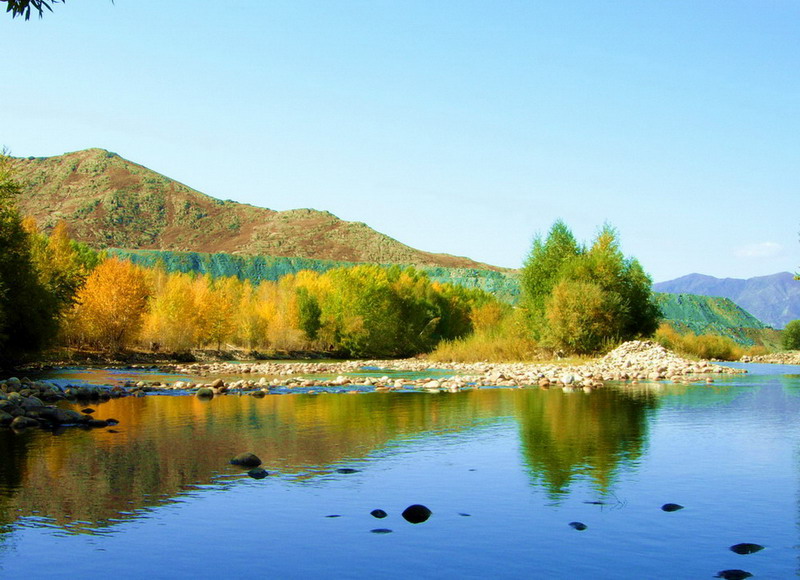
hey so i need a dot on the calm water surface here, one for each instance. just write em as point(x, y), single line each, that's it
point(504, 472)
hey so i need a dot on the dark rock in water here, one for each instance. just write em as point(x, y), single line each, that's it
point(5, 418)
point(580, 526)
point(346, 470)
point(112, 431)
point(462, 514)
point(258, 473)
point(416, 514)
point(381, 531)
point(746, 548)
point(246, 460)
point(87, 411)
point(334, 516)
point(380, 514)
point(258, 394)
point(734, 574)
point(23, 422)
point(112, 421)
point(204, 393)
point(671, 507)
point(63, 416)
point(97, 423)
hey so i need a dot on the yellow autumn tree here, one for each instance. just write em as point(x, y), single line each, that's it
point(171, 321)
point(110, 306)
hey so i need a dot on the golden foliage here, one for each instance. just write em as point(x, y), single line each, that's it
point(110, 306)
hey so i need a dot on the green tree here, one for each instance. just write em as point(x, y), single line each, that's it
point(791, 336)
point(542, 268)
point(616, 304)
point(309, 313)
point(27, 310)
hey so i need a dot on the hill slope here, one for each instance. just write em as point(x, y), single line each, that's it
point(774, 299)
point(108, 201)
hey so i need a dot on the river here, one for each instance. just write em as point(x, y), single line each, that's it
point(505, 472)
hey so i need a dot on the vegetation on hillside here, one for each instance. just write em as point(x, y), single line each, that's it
point(111, 202)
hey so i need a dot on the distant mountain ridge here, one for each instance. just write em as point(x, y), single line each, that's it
point(108, 201)
point(773, 299)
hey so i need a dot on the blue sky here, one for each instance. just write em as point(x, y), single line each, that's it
point(462, 127)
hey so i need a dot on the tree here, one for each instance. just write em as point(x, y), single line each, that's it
point(110, 306)
point(547, 257)
point(791, 336)
point(617, 303)
point(28, 312)
point(23, 7)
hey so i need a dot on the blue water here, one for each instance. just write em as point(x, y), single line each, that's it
point(503, 471)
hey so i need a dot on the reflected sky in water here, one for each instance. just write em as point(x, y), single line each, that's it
point(503, 471)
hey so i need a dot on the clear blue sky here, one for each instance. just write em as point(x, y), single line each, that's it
point(453, 126)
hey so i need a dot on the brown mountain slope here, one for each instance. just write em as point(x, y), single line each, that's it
point(108, 201)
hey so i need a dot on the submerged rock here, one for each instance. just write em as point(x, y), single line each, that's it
point(746, 548)
point(381, 531)
point(416, 514)
point(733, 574)
point(380, 514)
point(580, 526)
point(205, 393)
point(671, 507)
point(346, 470)
point(246, 460)
point(258, 473)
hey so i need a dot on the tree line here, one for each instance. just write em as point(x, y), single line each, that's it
point(362, 311)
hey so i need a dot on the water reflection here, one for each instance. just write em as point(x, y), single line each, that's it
point(565, 434)
point(168, 446)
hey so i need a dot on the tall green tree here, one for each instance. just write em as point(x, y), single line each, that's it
point(542, 268)
point(28, 312)
point(578, 299)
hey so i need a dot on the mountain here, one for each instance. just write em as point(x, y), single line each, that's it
point(773, 299)
point(108, 201)
point(714, 315)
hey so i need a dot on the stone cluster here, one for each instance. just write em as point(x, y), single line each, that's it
point(25, 403)
point(789, 357)
point(632, 361)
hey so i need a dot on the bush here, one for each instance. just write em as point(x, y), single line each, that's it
point(705, 346)
point(791, 336)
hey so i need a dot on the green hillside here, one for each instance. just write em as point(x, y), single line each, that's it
point(108, 201)
point(714, 315)
point(257, 268)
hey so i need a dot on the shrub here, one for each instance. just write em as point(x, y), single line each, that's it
point(791, 336)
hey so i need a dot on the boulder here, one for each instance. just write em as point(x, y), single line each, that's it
point(416, 514)
point(23, 422)
point(246, 460)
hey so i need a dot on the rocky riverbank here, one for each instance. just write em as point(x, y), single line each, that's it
point(791, 357)
point(25, 403)
point(633, 361)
